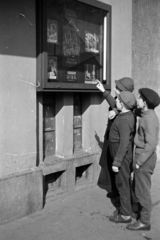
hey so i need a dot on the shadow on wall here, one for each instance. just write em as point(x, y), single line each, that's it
point(100, 143)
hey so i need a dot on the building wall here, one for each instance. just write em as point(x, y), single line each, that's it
point(20, 180)
point(121, 39)
point(21, 115)
point(18, 91)
point(146, 47)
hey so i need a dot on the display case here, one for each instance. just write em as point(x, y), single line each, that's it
point(74, 45)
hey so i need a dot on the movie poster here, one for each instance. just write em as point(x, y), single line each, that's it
point(52, 31)
point(92, 41)
point(52, 68)
point(90, 73)
point(71, 44)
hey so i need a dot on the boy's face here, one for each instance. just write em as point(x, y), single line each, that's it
point(140, 102)
point(117, 91)
point(118, 104)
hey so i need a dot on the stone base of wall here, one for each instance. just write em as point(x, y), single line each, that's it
point(21, 194)
point(65, 176)
point(27, 192)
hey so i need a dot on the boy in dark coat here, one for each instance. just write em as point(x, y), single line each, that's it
point(106, 178)
point(146, 141)
point(121, 150)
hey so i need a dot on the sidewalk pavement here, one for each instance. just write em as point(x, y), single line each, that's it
point(82, 216)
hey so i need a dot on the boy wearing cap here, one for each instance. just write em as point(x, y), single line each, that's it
point(123, 84)
point(121, 150)
point(146, 141)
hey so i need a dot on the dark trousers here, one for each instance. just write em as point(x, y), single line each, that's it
point(123, 179)
point(143, 187)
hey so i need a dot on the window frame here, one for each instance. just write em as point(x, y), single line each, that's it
point(42, 80)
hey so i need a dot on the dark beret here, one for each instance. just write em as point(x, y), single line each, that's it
point(150, 96)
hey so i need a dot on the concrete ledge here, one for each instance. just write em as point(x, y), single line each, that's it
point(67, 182)
point(21, 194)
point(55, 164)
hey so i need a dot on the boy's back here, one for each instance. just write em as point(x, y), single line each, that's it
point(147, 136)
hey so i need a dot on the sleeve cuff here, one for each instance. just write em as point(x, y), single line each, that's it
point(116, 163)
point(105, 94)
point(139, 163)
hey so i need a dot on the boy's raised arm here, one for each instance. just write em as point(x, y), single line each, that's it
point(107, 95)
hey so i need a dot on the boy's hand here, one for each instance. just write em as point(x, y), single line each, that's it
point(115, 169)
point(137, 166)
point(112, 114)
point(100, 86)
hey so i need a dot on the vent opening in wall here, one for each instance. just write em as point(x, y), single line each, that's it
point(54, 184)
point(83, 174)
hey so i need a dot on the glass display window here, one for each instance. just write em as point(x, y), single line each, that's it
point(75, 45)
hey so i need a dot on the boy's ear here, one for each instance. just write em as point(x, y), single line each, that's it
point(122, 104)
point(145, 103)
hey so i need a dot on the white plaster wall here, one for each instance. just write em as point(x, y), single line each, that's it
point(17, 86)
point(146, 45)
point(121, 52)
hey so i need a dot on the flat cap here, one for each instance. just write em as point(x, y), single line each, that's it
point(128, 99)
point(150, 96)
